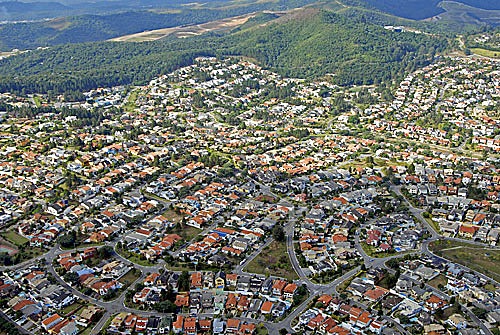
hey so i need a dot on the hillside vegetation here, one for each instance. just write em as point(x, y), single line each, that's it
point(309, 43)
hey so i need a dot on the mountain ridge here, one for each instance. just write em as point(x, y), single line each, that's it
point(358, 51)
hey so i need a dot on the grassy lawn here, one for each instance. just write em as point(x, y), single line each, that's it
point(485, 52)
point(130, 105)
point(87, 330)
point(154, 196)
point(439, 280)
point(483, 260)
point(134, 258)
point(37, 101)
point(130, 277)
point(108, 323)
point(261, 330)
point(71, 308)
point(345, 284)
point(273, 260)
point(31, 253)
point(15, 238)
point(80, 244)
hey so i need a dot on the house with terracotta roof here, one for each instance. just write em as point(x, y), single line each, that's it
point(278, 287)
point(289, 291)
point(205, 325)
point(232, 326)
point(266, 307)
point(51, 321)
point(178, 325)
point(141, 324)
point(315, 322)
point(434, 303)
point(190, 326)
point(182, 300)
point(467, 230)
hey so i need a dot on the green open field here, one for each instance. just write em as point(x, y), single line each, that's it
point(130, 105)
point(377, 162)
point(14, 238)
point(483, 260)
point(273, 260)
point(18, 242)
point(433, 224)
point(261, 330)
point(486, 53)
point(465, 14)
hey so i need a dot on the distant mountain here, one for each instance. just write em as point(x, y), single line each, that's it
point(26, 10)
point(15, 10)
point(420, 9)
point(89, 28)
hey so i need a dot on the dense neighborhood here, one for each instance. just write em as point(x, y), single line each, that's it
point(223, 198)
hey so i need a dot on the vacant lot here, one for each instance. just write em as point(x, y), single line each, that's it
point(187, 31)
point(134, 258)
point(483, 260)
point(363, 163)
point(372, 251)
point(273, 260)
point(130, 277)
point(186, 232)
point(171, 215)
point(438, 281)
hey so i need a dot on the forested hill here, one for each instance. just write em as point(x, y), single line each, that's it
point(419, 9)
point(87, 28)
point(313, 43)
point(309, 43)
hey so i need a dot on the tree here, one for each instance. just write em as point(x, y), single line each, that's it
point(105, 252)
point(393, 263)
point(278, 233)
point(71, 277)
point(184, 282)
point(479, 312)
point(403, 319)
point(68, 240)
point(165, 307)
point(5, 259)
